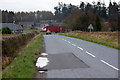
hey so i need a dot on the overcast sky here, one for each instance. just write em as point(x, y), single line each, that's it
point(34, 5)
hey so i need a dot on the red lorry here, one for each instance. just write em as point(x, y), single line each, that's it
point(53, 29)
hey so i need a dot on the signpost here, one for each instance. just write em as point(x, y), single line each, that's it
point(90, 27)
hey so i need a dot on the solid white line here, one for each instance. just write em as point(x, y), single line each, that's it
point(80, 48)
point(90, 54)
point(109, 65)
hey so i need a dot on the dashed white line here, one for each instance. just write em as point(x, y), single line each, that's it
point(80, 48)
point(65, 40)
point(69, 42)
point(73, 44)
point(94, 56)
point(109, 65)
point(90, 54)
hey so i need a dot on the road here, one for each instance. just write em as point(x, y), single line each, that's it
point(75, 58)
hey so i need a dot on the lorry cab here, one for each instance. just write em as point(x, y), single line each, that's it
point(44, 29)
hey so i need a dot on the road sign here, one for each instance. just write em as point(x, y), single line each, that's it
point(90, 26)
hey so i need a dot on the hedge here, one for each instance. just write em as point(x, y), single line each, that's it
point(12, 45)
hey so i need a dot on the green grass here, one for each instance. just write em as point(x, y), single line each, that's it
point(23, 65)
point(28, 30)
point(102, 42)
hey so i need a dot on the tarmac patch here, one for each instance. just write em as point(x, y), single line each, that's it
point(65, 61)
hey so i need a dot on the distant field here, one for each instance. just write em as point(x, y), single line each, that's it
point(9, 34)
point(109, 39)
point(25, 31)
point(28, 30)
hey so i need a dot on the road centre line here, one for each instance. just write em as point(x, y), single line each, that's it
point(69, 42)
point(90, 54)
point(73, 44)
point(65, 40)
point(94, 56)
point(80, 48)
point(109, 65)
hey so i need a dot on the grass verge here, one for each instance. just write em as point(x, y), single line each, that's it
point(102, 42)
point(29, 30)
point(23, 65)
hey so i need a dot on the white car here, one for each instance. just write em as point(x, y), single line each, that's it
point(48, 32)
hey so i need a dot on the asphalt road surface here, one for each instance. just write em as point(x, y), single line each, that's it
point(75, 58)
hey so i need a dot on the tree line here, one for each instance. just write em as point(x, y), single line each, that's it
point(10, 16)
point(79, 17)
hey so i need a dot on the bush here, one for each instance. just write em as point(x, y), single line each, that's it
point(6, 30)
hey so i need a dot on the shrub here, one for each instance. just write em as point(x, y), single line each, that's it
point(6, 30)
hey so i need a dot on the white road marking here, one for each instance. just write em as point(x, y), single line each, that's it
point(109, 65)
point(90, 54)
point(65, 40)
point(73, 44)
point(93, 56)
point(80, 48)
point(69, 42)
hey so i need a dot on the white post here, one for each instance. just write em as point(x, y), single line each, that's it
point(90, 34)
point(90, 27)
